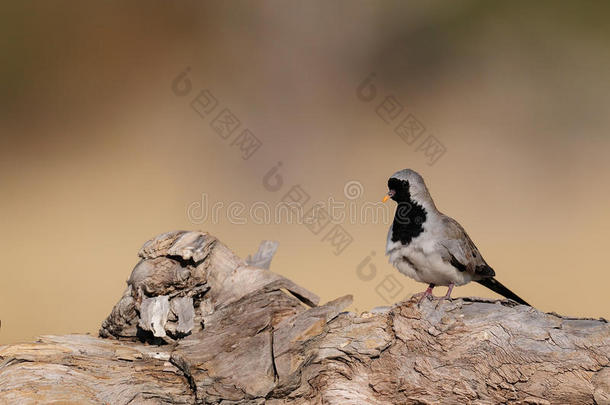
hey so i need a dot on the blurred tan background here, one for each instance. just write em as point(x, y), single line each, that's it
point(98, 154)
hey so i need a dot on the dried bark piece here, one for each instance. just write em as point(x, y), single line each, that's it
point(262, 258)
point(164, 276)
point(183, 308)
point(228, 337)
point(122, 323)
point(153, 315)
point(292, 335)
point(189, 245)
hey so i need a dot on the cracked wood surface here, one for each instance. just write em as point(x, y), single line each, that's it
point(197, 324)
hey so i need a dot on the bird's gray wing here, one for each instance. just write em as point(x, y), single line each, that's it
point(457, 248)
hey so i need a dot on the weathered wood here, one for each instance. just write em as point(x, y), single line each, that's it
point(197, 324)
point(262, 258)
point(81, 369)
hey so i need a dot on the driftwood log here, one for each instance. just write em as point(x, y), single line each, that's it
point(197, 324)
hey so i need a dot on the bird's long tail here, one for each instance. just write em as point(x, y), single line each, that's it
point(495, 286)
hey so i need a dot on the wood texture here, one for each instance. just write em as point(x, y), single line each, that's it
point(197, 324)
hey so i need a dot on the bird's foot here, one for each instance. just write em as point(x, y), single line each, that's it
point(426, 294)
point(446, 297)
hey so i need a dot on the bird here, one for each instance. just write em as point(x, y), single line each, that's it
point(431, 247)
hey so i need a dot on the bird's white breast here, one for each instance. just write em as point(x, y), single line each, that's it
point(422, 260)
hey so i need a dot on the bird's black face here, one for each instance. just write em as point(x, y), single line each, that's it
point(399, 190)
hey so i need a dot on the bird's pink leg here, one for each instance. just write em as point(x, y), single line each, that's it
point(448, 295)
point(425, 294)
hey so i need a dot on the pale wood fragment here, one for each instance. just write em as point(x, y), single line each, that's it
point(262, 258)
point(153, 315)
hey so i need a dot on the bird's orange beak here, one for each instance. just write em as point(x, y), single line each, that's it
point(389, 195)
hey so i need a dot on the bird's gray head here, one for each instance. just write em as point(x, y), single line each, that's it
point(406, 185)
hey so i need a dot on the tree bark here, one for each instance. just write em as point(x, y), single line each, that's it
point(197, 324)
